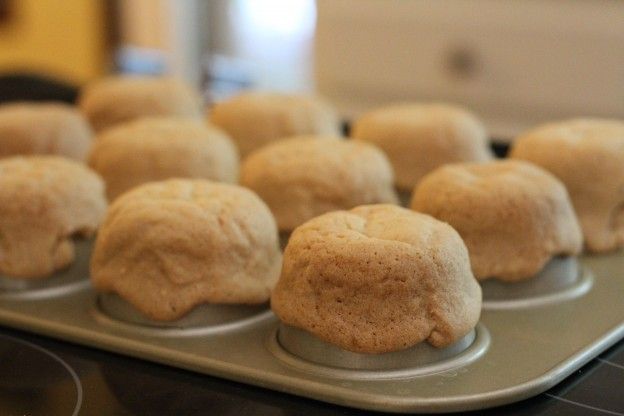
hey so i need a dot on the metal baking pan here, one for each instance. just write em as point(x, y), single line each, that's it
point(530, 337)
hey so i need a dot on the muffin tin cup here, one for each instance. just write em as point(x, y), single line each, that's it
point(112, 310)
point(304, 351)
point(563, 278)
point(62, 282)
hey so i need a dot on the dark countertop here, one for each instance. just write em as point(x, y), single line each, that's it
point(118, 385)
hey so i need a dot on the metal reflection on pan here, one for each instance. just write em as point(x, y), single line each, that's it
point(304, 351)
point(563, 278)
point(114, 311)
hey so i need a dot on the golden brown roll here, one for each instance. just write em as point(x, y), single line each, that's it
point(513, 216)
point(303, 177)
point(118, 99)
point(43, 129)
point(377, 279)
point(587, 155)
point(421, 137)
point(44, 202)
point(153, 149)
point(168, 246)
point(255, 119)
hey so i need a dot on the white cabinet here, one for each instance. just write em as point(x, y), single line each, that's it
point(515, 62)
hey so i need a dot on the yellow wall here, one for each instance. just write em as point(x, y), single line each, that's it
point(63, 38)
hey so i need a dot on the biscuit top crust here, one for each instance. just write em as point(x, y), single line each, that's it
point(590, 132)
point(512, 215)
point(117, 99)
point(421, 137)
point(44, 129)
point(306, 176)
point(44, 201)
point(254, 119)
point(376, 279)
point(587, 155)
point(168, 246)
point(159, 148)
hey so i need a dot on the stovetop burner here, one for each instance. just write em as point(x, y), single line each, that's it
point(39, 376)
point(36, 381)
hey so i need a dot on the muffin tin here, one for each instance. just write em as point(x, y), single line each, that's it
point(530, 337)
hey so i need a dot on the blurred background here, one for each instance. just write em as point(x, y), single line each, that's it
point(514, 62)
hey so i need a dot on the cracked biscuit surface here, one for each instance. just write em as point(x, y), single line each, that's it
point(376, 279)
point(153, 149)
point(512, 215)
point(303, 177)
point(44, 129)
point(114, 100)
point(418, 138)
point(587, 155)
point(255, 119)
point(168, 246)
point(44, 201)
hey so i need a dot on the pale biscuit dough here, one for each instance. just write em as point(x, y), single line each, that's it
point(168, 246)
point(587, 155)
point(153, 149)
point(255, 119)
point(44, 201)
point(376, 279)
point(43, 128)
point(303, 177)
point(114, 100)
point(513, 216)
point(421, 137)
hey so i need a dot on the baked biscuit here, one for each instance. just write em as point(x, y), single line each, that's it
point(153, 149)
point(118, 99)
point(43, 128)
point(255, 119)
point(377, 279)
point(513, 216)
point(417, 138)
point(166, 247)
point(303, 177)
point(44, 201)
point(587, 155)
